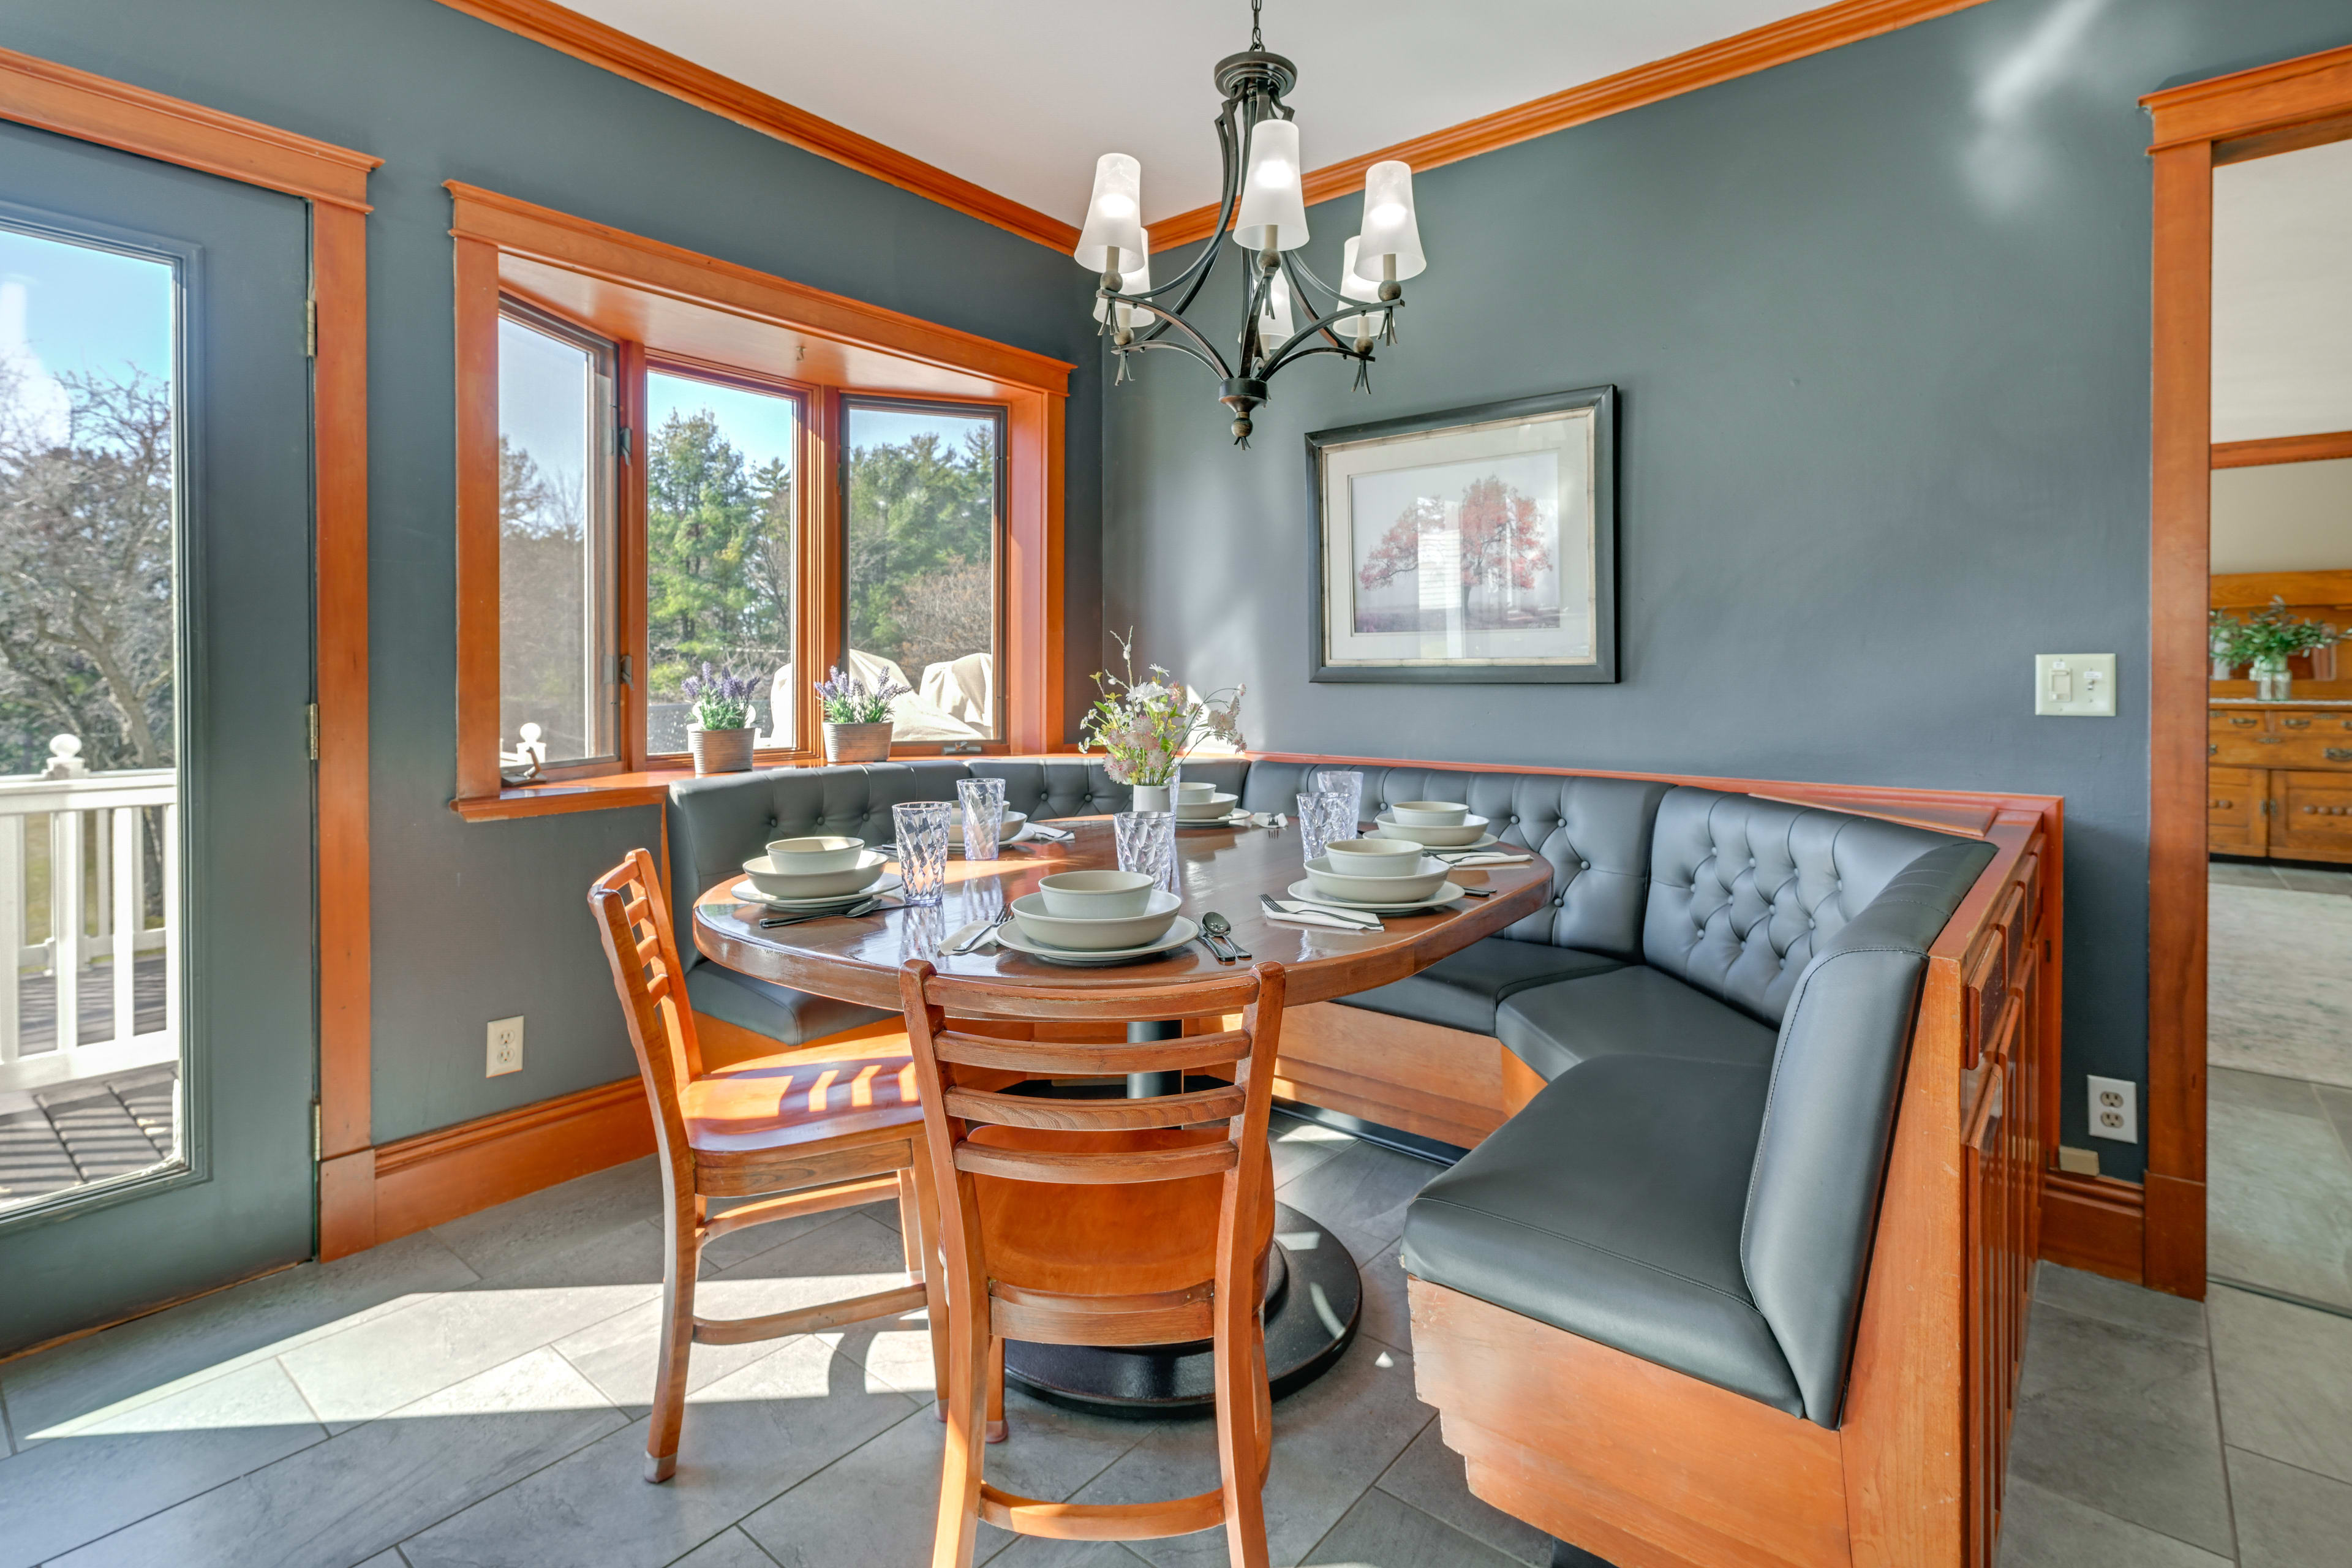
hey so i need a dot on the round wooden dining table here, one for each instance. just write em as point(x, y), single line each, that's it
point(1313, 1291)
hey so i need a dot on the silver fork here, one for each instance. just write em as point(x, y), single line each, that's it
point(971, 944)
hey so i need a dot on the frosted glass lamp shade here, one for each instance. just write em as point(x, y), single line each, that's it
point(1115, 215)
point(1274, 207)
point(1134, 277)
point(1354, 288)
point(1389, 228)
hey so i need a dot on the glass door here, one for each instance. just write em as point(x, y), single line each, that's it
point(156, 950)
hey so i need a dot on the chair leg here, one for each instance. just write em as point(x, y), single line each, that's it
point(1244, 1431)
point(958, 1531)
point(677, 1341)
point(996, 1427)
point(922, 1224)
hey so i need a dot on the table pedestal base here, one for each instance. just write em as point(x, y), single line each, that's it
point(1314, 1297)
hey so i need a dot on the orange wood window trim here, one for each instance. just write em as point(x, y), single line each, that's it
point(611, 49)
point(2318, 448)
point(2267, 109)
point(116, 114)
point(636, 291)
point(1725, 59)
point(333, 180)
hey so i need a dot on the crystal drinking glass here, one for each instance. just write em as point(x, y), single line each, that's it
point(1147, 843)
point(1322, 819)
point(1349, 785)
point(983, 815)
point(922, 829)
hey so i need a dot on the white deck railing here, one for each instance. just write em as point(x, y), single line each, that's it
point(91, 917)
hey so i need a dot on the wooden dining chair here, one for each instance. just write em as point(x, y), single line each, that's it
point(1140, 1221)
point(803, 1131)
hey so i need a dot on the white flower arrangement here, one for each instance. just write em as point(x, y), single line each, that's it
point(1145, 727)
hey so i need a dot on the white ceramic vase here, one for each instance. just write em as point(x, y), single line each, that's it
point(1154, 797)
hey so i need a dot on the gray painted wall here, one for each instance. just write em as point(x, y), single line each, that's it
point(478, 923)
point(1880, 322)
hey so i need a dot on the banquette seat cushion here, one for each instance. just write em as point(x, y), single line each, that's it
point(1715, 1216)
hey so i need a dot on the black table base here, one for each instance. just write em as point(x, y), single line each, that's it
point(1313, 1298)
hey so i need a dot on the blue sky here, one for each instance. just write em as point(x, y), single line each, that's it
point(85, 309)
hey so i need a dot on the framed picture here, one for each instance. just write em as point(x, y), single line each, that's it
point(1478, 545)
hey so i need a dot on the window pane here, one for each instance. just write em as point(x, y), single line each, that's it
point(720, 544)
point(922, 507)
point(89, 1059)
point(554, 593)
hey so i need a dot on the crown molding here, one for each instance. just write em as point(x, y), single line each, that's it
point(1743, 54)
point(585, 39)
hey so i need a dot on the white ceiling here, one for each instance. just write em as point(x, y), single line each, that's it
point(1019, 96)
point(2282, 294)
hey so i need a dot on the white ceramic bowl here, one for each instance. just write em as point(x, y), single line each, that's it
point(1039, 924)
point(1436, 837)
point(1426, 877)
point(807, 857)
point(1006, 831)
point(1429, 813)
point(776, 884)
point(1207, 809)
point(1373, 856)
point(1193, 792)
point(1096, 896)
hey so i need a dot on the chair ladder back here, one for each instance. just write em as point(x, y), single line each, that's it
point(628, 902)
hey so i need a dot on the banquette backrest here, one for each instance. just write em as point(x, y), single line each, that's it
point(1745, 891)
point(1829, 1119)
point(1594, 832)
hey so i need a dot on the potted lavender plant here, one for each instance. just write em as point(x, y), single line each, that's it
point(719, 733)
point(856, 717)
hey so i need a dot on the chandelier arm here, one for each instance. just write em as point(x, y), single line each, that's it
point(1302, 275)
point(1290, 350)
point(1196, 274)
point(1205, 351)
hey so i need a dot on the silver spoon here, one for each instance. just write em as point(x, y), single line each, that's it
point(1217, 926)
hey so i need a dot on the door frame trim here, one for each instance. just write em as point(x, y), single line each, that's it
point(333, 181)
point(2226, 118)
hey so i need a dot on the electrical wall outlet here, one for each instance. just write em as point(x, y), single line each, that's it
point(2075, 685)
point(506, 1047)
point(2115, 1109)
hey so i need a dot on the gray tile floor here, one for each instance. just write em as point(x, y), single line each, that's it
point(477, 1395)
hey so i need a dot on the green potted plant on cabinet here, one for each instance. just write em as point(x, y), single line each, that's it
point(2266, 641)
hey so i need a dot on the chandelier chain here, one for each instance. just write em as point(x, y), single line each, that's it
point(1257, 38)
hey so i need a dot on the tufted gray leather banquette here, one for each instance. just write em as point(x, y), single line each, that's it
point(1719, 994)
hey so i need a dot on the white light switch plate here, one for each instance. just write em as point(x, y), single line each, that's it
point(2075, 685)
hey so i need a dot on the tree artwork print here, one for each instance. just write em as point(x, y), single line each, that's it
point(1489, 553)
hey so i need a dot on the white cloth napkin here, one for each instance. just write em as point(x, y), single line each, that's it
point(1486, 858)
point(1291, 912)
point(965, 933)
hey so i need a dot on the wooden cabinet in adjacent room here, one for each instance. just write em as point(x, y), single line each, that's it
point(2279, 780)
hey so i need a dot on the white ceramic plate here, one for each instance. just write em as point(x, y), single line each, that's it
point(749, 894)
point(1427, 876)
point(1215, 807)
point(800, 887)
point(1224, 819)
point(1471, 835)
point(1180, 932)
point(1305, 891)
point(1066, 935)
point(1014, 826)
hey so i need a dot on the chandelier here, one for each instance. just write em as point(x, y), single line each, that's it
point(1257, 141)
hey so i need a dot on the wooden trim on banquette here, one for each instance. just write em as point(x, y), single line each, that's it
point(1725, 59)
point(2249, 114)
point(681, 308)
point(333, 181)
point(2319, 449)
point(116, 114)
point(611, 49)
point(2094, 1223)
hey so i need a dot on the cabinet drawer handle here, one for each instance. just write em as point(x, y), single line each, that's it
point(2213, 751)
point(2241, 721)
point(2270, 740)
point(2295, 723)
point(2336, 753)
